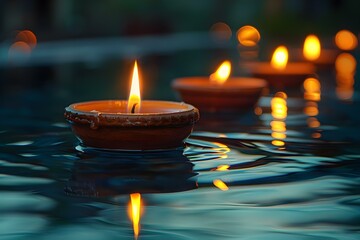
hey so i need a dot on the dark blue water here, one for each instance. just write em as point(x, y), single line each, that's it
point(305, 185)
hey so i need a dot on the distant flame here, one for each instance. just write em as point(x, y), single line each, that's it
point(134, 101)
point(220, 184)
point(222, 73)
point(248, 36)
point(135, 212)
point(280, 58)
point(346, 40)
point(312, 48)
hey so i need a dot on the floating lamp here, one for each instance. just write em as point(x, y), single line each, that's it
point(219, 92)
point(132, 124)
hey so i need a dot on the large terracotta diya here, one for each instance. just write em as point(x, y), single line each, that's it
point(132, 124)
point(234, 94)
point(279, 73)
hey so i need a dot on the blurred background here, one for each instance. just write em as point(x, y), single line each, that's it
point(55, 52)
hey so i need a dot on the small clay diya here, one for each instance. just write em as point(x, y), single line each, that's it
point(279, 72)
point(107, 124)
point(237, 94)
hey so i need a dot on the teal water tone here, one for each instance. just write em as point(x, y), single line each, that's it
point(52, 188)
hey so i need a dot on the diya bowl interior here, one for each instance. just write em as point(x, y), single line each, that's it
point(237, 94)
point(105, 124)
point(292, 76)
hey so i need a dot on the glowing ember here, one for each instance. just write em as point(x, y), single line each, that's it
point(220, 185)
point(134, 212)
point(346, 40)
point(312, 48)
point(134, 101)
point(248, 36)
point(280, 58)
point(222, 73)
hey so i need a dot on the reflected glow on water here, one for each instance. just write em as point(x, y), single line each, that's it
point(220, 185)
point(345, 66)
point(279, 114)
point(135, 206)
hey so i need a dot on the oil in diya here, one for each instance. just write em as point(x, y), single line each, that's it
point(220, 93)
point(279, 72)
point(132, 124)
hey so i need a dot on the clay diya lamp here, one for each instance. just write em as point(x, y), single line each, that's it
point(313, 52)
point(219, 93)
point(279, 73)
point(132, 124)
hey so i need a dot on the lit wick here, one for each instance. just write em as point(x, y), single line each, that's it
point(134, 101)
point(133, 108)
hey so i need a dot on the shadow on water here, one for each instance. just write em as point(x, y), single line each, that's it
point(101, 173)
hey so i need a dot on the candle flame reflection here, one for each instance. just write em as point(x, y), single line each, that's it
point(134, 211)
point(222, 73)
point(279, 113)
point(312, 48)
point(346, 40)
point(280, 58)
point(312, 89)
point(134, 101)
point(220, 185)
point(345, 65)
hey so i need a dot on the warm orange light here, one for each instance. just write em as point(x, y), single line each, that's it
point(220, 185)
point(312, 48)
point(280, 58)
point(279, 113)
point(313, 122)
point(278, 126)
point(346, 40)
point(222, 73)
point(278, 108)
point(221, 31)
point(222, 168)
point(345, 64)
point(311, 109)
point(134, 101)
point(278, 143)
point(134, 211)
point(28, 37)
point(312, 89)
point(248, 36)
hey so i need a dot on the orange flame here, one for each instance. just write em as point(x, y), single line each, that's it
point(312, 48)
point(134, 212)
point(346, 40)
point(248, 36)
point(134, 101)
point(222, 73)
point(280, 58)
point(220, 184)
